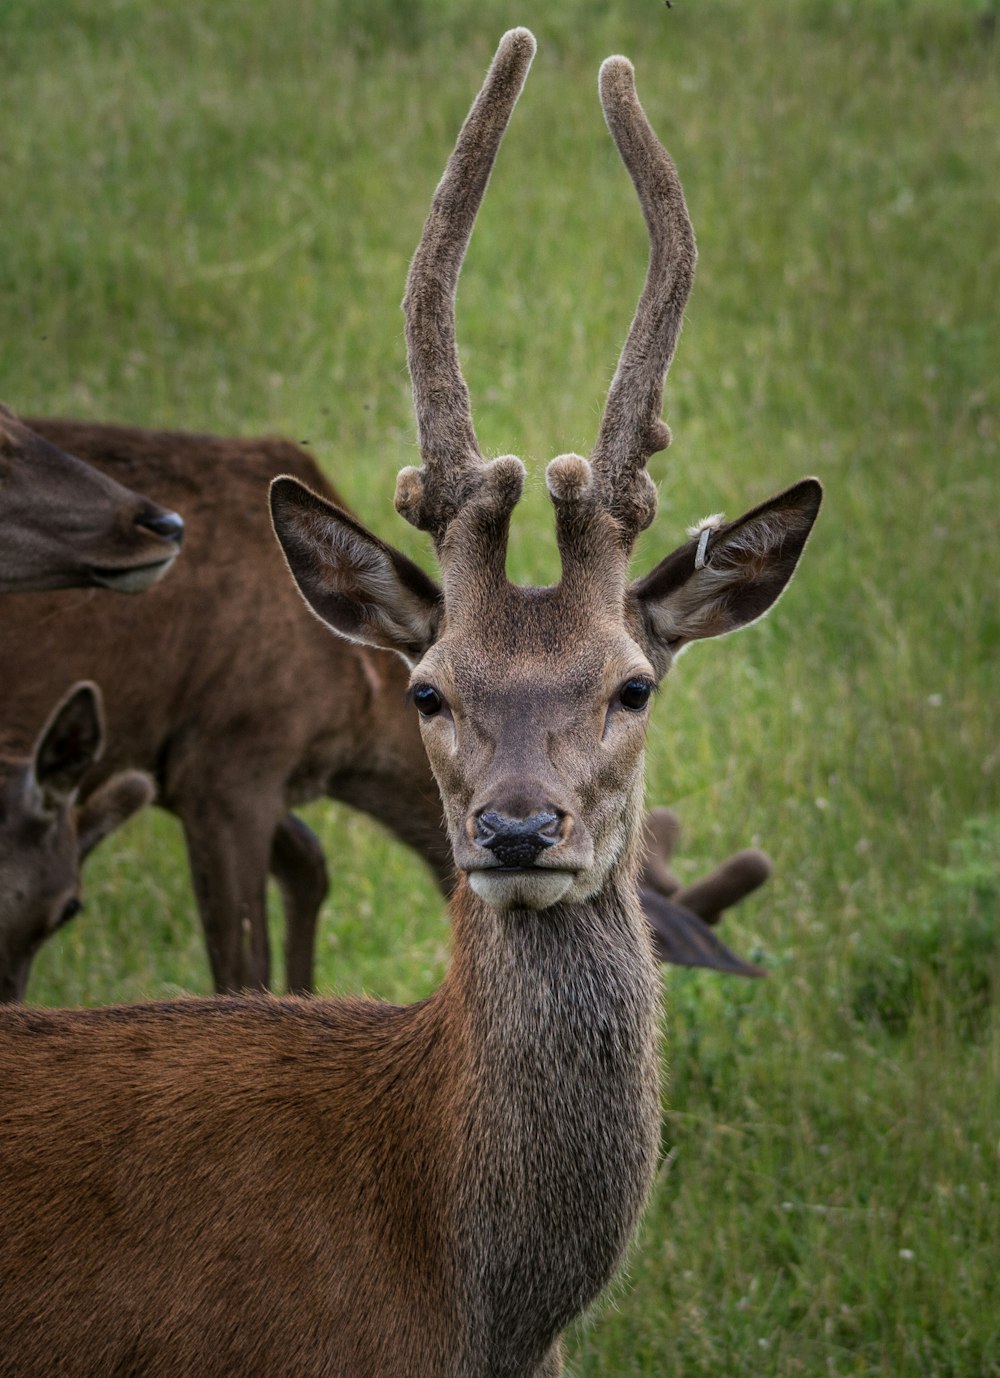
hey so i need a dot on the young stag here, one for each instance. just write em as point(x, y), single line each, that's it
point(221, 684)
point(45, 835)
point(66, 525)
point(349, 1188)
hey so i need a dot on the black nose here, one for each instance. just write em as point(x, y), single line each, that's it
point(517, 841)
point(166, 524)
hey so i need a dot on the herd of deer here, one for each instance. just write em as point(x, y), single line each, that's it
point(345, 1188)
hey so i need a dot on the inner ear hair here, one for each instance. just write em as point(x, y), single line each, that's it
point(729, 573)
point(355, 583)
point(70, 742)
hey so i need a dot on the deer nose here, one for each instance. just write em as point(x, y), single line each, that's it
point(169, 525)
point(518, 841)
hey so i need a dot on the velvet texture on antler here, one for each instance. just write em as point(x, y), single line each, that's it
point(462, 500)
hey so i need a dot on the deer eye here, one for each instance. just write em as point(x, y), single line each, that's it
point(634, 694)
point(70, 910)
point(427, 699)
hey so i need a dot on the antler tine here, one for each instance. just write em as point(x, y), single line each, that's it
point(631, 428)
point(430, 497)
point(732, 881)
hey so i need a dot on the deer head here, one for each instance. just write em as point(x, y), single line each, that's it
point(534, 702)
point(45, 835)
point(64, 524)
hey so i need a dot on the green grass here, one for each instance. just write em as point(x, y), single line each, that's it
point(207, 215)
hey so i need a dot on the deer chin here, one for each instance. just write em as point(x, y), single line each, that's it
point(134, 580)
point(532, 888)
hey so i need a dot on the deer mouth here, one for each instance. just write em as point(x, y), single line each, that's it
point(521, 887)
point(523, 863)
point(134, 579)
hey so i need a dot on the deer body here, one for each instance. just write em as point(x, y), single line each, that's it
point(325, 1188)
point(349, 1189)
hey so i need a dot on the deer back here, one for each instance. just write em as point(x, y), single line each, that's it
point(246, 1185)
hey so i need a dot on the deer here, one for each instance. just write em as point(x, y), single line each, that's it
point(344, 1187)
point(64, 524)
point(46, 833)
point(244, 708)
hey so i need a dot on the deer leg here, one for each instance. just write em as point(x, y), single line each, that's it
point(299, 867)
point(229, 847)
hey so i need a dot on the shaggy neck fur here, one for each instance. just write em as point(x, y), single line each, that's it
point(559, 1146)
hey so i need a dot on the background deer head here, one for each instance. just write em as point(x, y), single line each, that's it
point(45, 835)
point(64, 524)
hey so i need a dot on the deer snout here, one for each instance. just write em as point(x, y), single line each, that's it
point(518, 842)
point(144, 564)
point(505, 847)
point(169, 525)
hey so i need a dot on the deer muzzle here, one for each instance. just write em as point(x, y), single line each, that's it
point(154, 540)
point(522, 862)
point(518, 842)
point(168, 525)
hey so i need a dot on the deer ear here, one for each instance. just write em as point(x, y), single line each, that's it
point(111, 805)
point(68, 745)
point(355, 583)
point(728, 574)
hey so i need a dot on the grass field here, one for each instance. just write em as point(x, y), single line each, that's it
point(206, 219)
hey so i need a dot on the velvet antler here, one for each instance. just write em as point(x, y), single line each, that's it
point(454, 471)
point(681, 917)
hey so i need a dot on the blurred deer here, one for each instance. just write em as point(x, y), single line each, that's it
point(682, 917)
point(346, 1187)
point(66, 525)
point(46, 834)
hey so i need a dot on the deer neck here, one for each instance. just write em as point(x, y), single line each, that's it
point(560, 1016)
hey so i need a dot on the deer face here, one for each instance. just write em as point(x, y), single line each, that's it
point(534, 727)
point(39, 877)
point(534, 702)
point(45, 834)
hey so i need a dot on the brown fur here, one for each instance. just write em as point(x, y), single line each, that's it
point(313, 1188)
point(66, 525)
point(262, 1156)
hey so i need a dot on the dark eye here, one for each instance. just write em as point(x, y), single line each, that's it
point(70, 910)
point(634, 694)
point(428, 700)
